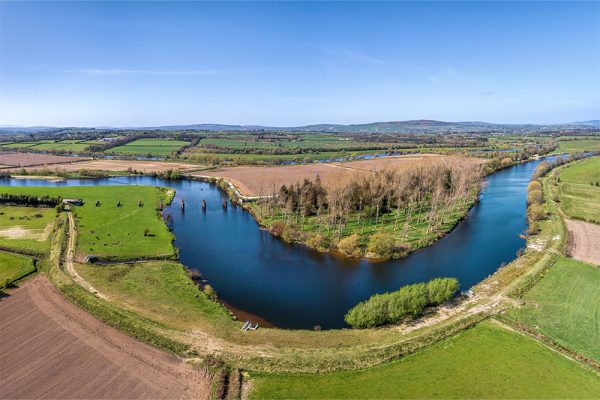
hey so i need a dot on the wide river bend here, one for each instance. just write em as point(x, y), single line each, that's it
point(294, 287)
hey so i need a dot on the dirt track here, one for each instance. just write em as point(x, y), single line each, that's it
point(584, 241)
point(50, 348)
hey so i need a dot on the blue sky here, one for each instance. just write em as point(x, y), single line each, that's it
point(295, 63)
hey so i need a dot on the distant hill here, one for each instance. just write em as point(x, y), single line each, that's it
point(391, 127)
point(592, 122)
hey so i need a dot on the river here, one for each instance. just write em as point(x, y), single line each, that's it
point(294, 287)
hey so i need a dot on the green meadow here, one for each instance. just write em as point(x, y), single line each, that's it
point(578, 145)
point(111, 232)
point(487, 361)
point(580, 190)
point(152, 147)
point(565, 306)
point(161, 291)
point(14, 266)
point(26, 229)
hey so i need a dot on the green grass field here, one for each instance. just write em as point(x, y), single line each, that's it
point(113, 232)
point(26, 229)
point(565, 306)
point(579, 193)
point(576, 146)
point(152, 147)
point(14, 266)
point(486, 361)
point(158, 290)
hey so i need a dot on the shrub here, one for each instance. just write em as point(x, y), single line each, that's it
point(316, 241)
point(381, 245)
point(209, 292)
point(535, 197)
point(350, 245)
point(277, 228)
point(533, 229)
point(440, 290)
point(506, 162)
point(407, 303)
point(534, 185)
point(535, 212)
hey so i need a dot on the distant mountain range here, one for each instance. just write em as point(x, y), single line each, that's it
point(412, 126)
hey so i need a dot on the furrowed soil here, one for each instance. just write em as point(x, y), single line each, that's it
point(31, 159)
point(264, 180)
point(584, 241)
point(124, 165)
point(52, 349)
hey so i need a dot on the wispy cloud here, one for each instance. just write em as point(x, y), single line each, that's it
point(118, 71)
point(447, 74)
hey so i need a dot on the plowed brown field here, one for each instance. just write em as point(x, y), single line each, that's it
point(30, 159)
point(50, 348)
point(123, 165)
point(584, 241)
point(253, 181)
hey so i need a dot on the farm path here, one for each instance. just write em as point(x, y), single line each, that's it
point(50, 348)
point(70, 257)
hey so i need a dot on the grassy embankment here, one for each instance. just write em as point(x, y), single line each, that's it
point(13, 267)
point(26, 229)
point(579, 190)
point(149, 147)
point(564, 305)
point(111, 232)
point(487, 361)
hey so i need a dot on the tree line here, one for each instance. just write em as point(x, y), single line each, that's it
point(29, 200)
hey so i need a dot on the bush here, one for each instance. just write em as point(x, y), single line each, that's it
point(381, 245)
point(535, 212)
point(506, 162)
point(440, 290)
point(209, 292)
point(350, 245)
point(535, 197)
point(533, 229)
point(277, 228)
point(534, 185)
point(407, 303)
point(316, 241)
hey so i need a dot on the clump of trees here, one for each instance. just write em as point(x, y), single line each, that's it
point(349, 204)
point(402, 305)
point(169, 175)
point(29, 200)
point(500, 160)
